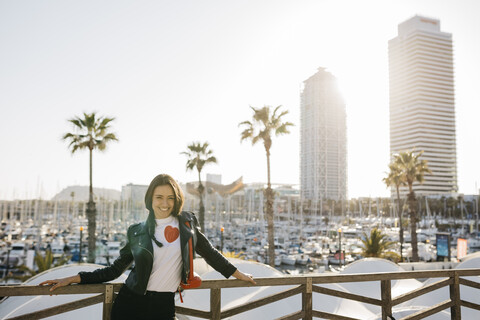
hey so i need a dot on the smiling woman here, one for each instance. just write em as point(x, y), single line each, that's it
point(161, 262)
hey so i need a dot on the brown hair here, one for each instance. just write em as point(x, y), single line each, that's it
point(162, 180)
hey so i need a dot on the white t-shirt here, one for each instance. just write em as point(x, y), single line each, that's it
point(167, 260)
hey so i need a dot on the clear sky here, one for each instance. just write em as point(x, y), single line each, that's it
point(173, 72)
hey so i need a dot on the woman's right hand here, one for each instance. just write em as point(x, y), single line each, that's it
point(61, 282)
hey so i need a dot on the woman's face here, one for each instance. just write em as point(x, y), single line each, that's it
point(163, 201)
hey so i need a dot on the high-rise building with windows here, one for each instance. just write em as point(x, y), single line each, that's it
point(323, 139)
point(422, 104)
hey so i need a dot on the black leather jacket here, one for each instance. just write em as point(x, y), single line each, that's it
point(139, 249)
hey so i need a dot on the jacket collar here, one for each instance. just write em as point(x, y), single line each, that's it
point(184, 216)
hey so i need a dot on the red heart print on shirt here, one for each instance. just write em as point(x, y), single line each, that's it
point(171, 233)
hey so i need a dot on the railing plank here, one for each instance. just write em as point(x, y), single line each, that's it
point(386, 291)
point(360, 277)
point(326, 315)
point(107, 301)
point(346, 295)
point(469, 283)
point(293, 316)
point(455, 310)
point(421, 291)
point(29, 290)
point(470, 305)
point(307, 300)
point(215, 303)
point(263, 301)
point(193, 312)
point(74, 305)
point(429, 311)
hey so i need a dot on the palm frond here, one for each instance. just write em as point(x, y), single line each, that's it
point(91, 132)
point(247, 123)
point(265, 123)
point(413, 169)
point(198, 154)
point(283, 128)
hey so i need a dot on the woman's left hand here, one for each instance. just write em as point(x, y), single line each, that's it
point(244, 276)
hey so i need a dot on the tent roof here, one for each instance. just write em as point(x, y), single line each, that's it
point(15, 306)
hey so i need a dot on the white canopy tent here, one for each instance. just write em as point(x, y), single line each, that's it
point(200, 299)
point(16, 306)
point(466, 293)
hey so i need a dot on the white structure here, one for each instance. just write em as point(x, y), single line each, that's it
point(422, 105)
point(233, 297)
point(16, 306)
point(323, 139)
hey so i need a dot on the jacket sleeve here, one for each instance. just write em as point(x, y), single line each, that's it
point(112, 272)
point(211, 255)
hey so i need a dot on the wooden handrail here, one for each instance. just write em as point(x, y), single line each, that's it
point(306, 285)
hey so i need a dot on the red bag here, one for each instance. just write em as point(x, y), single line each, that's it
point(193, 280)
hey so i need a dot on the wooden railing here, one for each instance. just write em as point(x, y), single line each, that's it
point(305, 286)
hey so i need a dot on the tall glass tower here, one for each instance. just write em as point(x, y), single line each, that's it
point(323, 139)
point(422, 102)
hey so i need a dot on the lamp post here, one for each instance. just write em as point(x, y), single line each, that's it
point(340, 247)
point(80, 250)
point(476, 217)
point(221, 239)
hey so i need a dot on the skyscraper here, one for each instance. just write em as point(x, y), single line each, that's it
point(323, 139)
point(422, 104)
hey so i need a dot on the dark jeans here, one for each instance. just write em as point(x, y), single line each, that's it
point(153, 305)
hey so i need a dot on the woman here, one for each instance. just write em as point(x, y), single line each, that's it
point(159, 247)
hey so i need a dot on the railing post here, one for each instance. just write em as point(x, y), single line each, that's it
point(455, 312)
point(307, 300)
point(107, 301)
point(215, 300)
point(386, 289)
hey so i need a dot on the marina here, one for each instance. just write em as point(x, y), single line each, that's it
point(308, 237)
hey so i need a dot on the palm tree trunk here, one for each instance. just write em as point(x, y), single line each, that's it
point(413, 224)
point(270, 228)
point(201, 211)
point(91, 218)
point(401, 223)
point(90, 189)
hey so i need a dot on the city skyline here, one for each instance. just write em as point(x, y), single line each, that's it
point(187, 71)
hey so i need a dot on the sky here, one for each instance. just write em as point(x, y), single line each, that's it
point(174, 72)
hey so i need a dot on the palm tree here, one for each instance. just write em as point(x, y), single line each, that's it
point(90, 132)
point(377, 245)
point(395, 179)
point(413, 170)
point(199, 155)
point(263, 125)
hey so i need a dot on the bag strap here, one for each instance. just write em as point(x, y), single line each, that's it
point(190, 249)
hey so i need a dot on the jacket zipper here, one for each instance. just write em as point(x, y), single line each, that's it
point(146, 250)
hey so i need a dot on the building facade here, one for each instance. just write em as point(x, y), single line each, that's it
point(323, 139)
point(422, 102)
